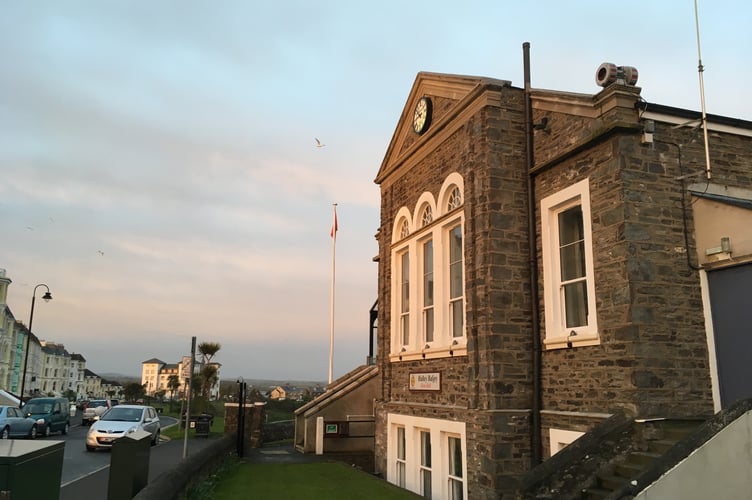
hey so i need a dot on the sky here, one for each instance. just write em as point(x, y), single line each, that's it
point(159, 169)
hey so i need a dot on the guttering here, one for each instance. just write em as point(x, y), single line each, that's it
point(535, 415)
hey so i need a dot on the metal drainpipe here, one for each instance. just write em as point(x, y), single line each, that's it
point(373, 316)
point(535, 423)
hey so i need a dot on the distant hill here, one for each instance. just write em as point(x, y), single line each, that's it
point(119, 377)
point(262, 383)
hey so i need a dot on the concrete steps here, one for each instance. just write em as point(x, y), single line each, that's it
point(658, 437)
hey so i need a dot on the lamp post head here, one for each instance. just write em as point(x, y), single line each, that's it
point(47, 296)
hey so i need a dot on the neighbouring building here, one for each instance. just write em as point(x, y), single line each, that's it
point(49, 367)
point(33, 361)
point(111, 389)
point(155, 376)
point(9, 339)
point(76, 375)
point(93, 388)
point(286, 392)
point(55, 368)
point(547, 258)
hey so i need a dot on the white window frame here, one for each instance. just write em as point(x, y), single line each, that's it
point(425, 470)
point(427, 309)
point(400, 461)
point(448, 269)
point(404, 298)
point(557, 335)
point(439, 431)
point(452, 478)
point(444, 216)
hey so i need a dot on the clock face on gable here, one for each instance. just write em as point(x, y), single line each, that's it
point(422, 115)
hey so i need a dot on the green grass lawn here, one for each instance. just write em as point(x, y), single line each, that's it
point(216, 430)
point(325, 480)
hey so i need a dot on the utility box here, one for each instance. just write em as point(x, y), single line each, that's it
point(129, 465)
point(30, 470)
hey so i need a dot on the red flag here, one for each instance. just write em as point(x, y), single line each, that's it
point(333, 232)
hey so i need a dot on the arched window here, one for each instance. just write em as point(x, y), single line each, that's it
point(428, 306)
point(404, 230)
point(455, 199)
point(427, 216)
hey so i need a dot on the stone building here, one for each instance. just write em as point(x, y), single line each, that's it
point(547, 258)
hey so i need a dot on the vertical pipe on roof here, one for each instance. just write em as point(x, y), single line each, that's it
point(535, 419)
point(700, 69)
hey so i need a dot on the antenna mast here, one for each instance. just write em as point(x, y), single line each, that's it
point(700, 70)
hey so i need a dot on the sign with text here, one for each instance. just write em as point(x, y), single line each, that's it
point(430, 381)
point(332, 429)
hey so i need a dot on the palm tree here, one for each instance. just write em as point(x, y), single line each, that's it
point(208, 378)
point(173, 384)
point(208, 350)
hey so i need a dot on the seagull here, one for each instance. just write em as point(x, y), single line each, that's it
point(318, 144)
point(100, 253)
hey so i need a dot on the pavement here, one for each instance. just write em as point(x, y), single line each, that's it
point(280, 454)
point(162, 458)
point(286, 454)
point(167, 455)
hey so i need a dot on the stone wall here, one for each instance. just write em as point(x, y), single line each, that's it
point(254, 419)
point(489, 388)
point(653, 357)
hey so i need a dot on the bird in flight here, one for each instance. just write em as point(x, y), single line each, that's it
point(319, 144)
point(100, 252)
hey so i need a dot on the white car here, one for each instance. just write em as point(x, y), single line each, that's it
point(94, 409)
point(120, 421)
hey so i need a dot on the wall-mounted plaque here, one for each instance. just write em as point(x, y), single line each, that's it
point(430, 381)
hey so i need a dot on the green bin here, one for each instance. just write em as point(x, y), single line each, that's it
point(30, 470)
point(129, 465)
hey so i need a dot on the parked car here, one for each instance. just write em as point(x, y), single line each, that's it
point(94, 409)
point(120, 421)
point(51, 414)
point(15, 423)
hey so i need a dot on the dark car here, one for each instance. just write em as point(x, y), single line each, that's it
point(51, 414)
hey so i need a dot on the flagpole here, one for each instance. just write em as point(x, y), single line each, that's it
point(331, 318)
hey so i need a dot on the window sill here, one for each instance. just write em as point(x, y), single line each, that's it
point(565, 342)
point(432, 353)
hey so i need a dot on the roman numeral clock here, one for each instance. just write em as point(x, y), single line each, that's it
point(422, 115)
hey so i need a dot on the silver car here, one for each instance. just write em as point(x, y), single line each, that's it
point(120, 421)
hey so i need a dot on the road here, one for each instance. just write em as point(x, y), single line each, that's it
point(85, 471)
point(78, 462)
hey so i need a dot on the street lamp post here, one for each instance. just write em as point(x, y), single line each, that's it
point(47, 297)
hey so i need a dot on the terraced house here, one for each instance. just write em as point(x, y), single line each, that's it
point(546, 260)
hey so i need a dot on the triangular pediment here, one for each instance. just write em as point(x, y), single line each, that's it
point(449, 94)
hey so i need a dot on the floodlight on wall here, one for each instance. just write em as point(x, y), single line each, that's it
point(608, 73)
